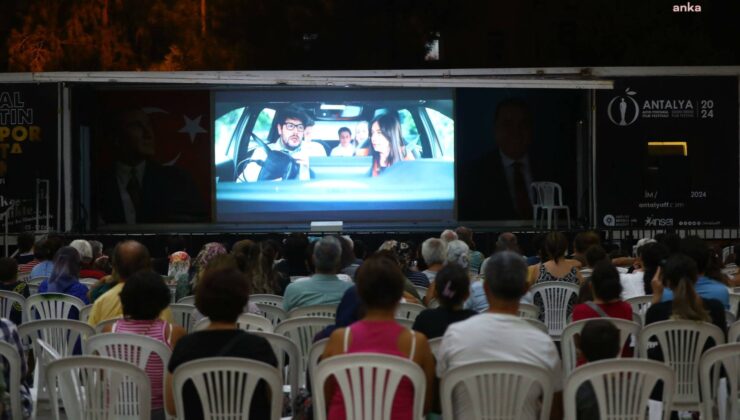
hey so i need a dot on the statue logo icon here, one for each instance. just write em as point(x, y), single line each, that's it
point(609, 220)
point(628, 109)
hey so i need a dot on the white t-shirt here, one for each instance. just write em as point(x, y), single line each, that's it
point(632, 284)
point(340, 150)
point(496, 337)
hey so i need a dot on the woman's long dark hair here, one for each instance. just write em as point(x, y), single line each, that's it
point(390, 127)
point(652, 254)
point(680, 274)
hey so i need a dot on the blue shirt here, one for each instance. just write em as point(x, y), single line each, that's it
point(320, 289)
point(706, 288)
point(42, 269)
point(477, 300)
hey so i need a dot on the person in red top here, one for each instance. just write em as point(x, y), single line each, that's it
point(606, 290)
point(87, 271)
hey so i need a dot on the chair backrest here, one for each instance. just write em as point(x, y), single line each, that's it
point(408, 310)
point(627, 329)
point(640, 304)
point(537, 323)
point(329, 311)
point(34, 282)
point(682, 343)
point(535, 193)
point(44, 306)
point(621, 387)
point(182, 314)
point(301, 331)
point(550, 194)
point(251, 322)
point(555, 296)
point(406, 323)
point(60, 334)
point(102, 324)
point(10, 301)
point(734, 302)
point(368, 382)
point(725, 356)
point(225, 386)
point(285, 350)
point(187, 300)
point(422, 291)
point(317, 349)
point(730, 318)
point(433, 303)
point(13, 358)
point(94, 388)
point(85, 312)
point(275, 314)
point(733, 335)
point(89, 281)
point(434, 345)
point(273, 300)
point(497, 389)
point(527, 310)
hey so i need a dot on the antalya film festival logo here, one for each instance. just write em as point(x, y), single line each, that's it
point(624, 107)
point(609, 220)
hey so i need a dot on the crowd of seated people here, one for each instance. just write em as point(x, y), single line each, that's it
point(473, 311)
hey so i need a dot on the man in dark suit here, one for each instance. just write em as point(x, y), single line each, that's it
point(138, 190)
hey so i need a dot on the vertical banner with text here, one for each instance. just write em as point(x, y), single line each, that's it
point(667, 153)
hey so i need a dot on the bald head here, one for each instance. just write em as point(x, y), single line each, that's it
point(507, 241)
point(130, 257)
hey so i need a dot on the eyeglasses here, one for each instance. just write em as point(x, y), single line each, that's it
point(291, 126)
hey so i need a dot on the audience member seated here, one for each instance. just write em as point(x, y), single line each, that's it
point(349, 264)
point(9, 335)
point(221, 296)
point(143, 298)
point(599, 341)
point(178, 270)
point(454, 283)
point(457, 252)
point(103, 285)
point(557, 267)
point(448, 235)
point(581, 243)
point(637, 283)
point(65, 276)
point(706, 287)
point(500, 335)
point(44, 253)
point(207, 253)
point(434, 252)
point(324, 287)
point(24, 254)
point(404, 252)
point(259, 268)
point(9, 282)
point(294, 264)
point(85, 250)
point(129, 257)
point(593, 255)
point(223, 262)
point(475, 258)
point(606, 303)
point(380, 287)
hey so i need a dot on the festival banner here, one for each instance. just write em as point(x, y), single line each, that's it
point(667, 153)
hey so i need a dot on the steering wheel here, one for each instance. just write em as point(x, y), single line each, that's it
point(277, 164)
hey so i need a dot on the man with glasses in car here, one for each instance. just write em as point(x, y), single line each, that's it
point(292, 122)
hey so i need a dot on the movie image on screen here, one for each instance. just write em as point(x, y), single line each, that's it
point(351, 155)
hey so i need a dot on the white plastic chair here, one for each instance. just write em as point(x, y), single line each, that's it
point(136, 349)
point(422, 291)
point(302, 331)
point(329, 311)
point(730, 318)
point(182, 314)
point(726, 356)
point(187, 300)
point(640, 305)
point(317, 349)
point(627, 329)
point(734, 301)
point(43, 306)
point(99, 388)
point(9, 301)
point(252, 322)
point(733, 335)
point(102, 324)
point(496, 389)
point(273, 300)
point(406, 323)
point(555, 296)
point(13, 358)
point(434, 344)
point(408, 311)
point(368, 382)
point(551, 201)
point(527, 310)
point(274, 313)
point(85, 312)
point(33, 284)
point(621, 387)
point(536, 200)
point(89, 281)
point(285, 347)
point(225, 386)
point(537, 323)
point(681, 343)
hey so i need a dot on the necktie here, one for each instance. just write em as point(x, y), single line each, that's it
point(521, 193)
point(134, 189)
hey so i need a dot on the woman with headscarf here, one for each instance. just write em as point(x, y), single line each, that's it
point(65, 275)
point(209, 251)
point(179, 271)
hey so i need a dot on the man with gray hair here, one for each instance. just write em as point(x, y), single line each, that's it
point(500, 335)
point(448, 235)
point(324, 287)
point(434, 252)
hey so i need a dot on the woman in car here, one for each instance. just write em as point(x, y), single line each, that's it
point(386, 143)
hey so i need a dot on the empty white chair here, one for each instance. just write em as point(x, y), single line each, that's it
point(551, 201)
point(640, 304)
point(621, 387)
point(329, 311)
point(13, 358)
point(733, 335)
point(225, 386)
point(135, 349)
point(497, 390)
point(527, 310)
point(187, 300)
point(626, 328)
point(99, 388)
point(11, 301)
point(274, 300)
point(725, 356)
point(408, 311)
point(368, 382)
point(302, 331)
point(317, 349)
point(182, 315)
point(681, 343)
point(283, 346)
point(555, 297)
point(275, 314)
point(43, 306)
